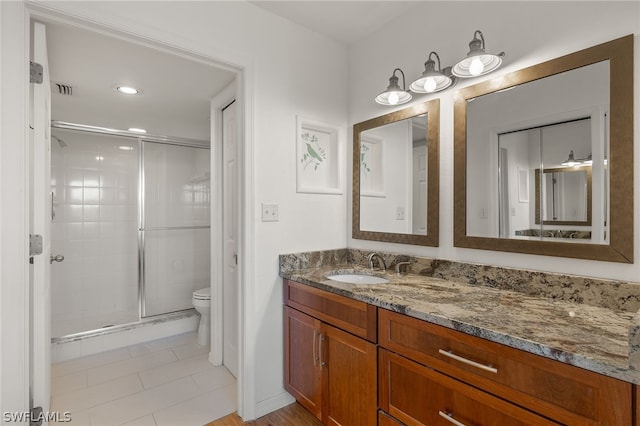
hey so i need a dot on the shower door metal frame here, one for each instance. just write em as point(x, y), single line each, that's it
point(143, 229)
point(151, 138)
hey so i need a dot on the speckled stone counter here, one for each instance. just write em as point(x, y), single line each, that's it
point(597, 338)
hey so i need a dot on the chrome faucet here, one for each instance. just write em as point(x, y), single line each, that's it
point(381, 264)
point(400, 265)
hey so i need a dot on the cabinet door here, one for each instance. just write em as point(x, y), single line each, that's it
point(417, 395)
point(349, 378)
point(302, 373)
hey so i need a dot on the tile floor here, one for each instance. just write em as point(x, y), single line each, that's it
point(165, 382)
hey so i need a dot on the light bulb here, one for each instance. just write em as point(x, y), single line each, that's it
point(393, 98)
point(476, 67)
point(430, 84)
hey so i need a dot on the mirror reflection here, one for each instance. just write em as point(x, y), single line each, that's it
point(395, 201)
point(563, 196)
point(529, 146)
point(543, 158)
point(395, 176)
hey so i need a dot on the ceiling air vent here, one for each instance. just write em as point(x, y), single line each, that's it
point(63, 89)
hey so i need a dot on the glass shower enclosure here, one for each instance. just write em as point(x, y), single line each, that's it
point(131, 216)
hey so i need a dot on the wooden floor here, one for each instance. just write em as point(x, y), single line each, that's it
point(292, 414)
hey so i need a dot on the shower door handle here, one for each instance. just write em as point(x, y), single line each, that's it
point(56, 258)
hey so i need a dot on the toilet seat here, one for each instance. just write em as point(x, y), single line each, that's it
point(202, 294)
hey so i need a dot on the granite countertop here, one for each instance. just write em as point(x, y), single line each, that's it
point(590, 337)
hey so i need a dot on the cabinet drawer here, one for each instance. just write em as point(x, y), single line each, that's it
point(386, 420)
point(417, 395)
point(356, 317)
point(556, 390)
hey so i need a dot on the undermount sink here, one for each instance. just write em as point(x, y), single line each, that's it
point(358, 279)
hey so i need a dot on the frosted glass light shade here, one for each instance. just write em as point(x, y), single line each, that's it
point(465, 68)
point(477, 62)
point(394, 95)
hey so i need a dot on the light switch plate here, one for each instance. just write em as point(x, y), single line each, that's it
point(270, 212)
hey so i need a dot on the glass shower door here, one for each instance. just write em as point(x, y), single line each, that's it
point(174, 226)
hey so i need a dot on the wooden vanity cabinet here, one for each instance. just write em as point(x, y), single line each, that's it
point(418, 395)
point(330, 371)
point(434, 363)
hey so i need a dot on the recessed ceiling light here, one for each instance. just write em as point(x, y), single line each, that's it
point(127, 90)
point(137, 130)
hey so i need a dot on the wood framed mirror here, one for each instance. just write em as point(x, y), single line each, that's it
point(506, 128)
point(563, 196)
point(396, 176)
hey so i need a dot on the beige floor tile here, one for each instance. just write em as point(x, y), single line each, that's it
point(176, 370)
point(213, 378)
point(78, 418)
point(160, 344)
point(129, 366)
point(144, 403)
point(142, 421)
point(92, 396)
point(68, 383)
point(199, 410)
point(189, 350)
point(91, 361)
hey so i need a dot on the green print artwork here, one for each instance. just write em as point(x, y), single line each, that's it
point(315, 154)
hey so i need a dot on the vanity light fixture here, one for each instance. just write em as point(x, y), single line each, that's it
point(127, 90)
point(477, 62)
point(432, 80)
point(394, 95)
point(572, 161)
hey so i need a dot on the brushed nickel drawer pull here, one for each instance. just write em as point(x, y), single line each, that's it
point(451, 355)
point(322, 361)
point(449, 417)
point(315, 349)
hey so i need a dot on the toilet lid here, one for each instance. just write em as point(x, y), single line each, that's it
point(202, 294)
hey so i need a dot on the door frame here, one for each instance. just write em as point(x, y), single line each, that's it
point(15, 180)
point(14, 209)
point(218, 225)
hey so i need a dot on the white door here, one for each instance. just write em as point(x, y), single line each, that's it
point(419, 185)
point(230, 227)
point(41, 205)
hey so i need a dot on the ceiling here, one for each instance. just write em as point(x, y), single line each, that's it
point(175, 91)
point(345, 21)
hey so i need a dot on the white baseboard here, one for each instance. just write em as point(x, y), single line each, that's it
point(273, 403)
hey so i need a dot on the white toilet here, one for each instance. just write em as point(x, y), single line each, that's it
point(202, 302)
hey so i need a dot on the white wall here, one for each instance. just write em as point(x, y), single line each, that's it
point(290, 71)
point(529, 33)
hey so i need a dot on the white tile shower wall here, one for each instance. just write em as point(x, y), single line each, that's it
point(94, 185)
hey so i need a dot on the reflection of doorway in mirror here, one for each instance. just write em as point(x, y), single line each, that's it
point(518, 154)
point(503, 193)
point(419, 188)
point(562, 194)
point(371, 166)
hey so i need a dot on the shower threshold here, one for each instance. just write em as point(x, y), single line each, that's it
point(111, 329)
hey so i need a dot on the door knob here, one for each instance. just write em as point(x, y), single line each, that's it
point(56, 258)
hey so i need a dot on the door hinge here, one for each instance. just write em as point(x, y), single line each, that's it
point(36, 71)
point(36, 416)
